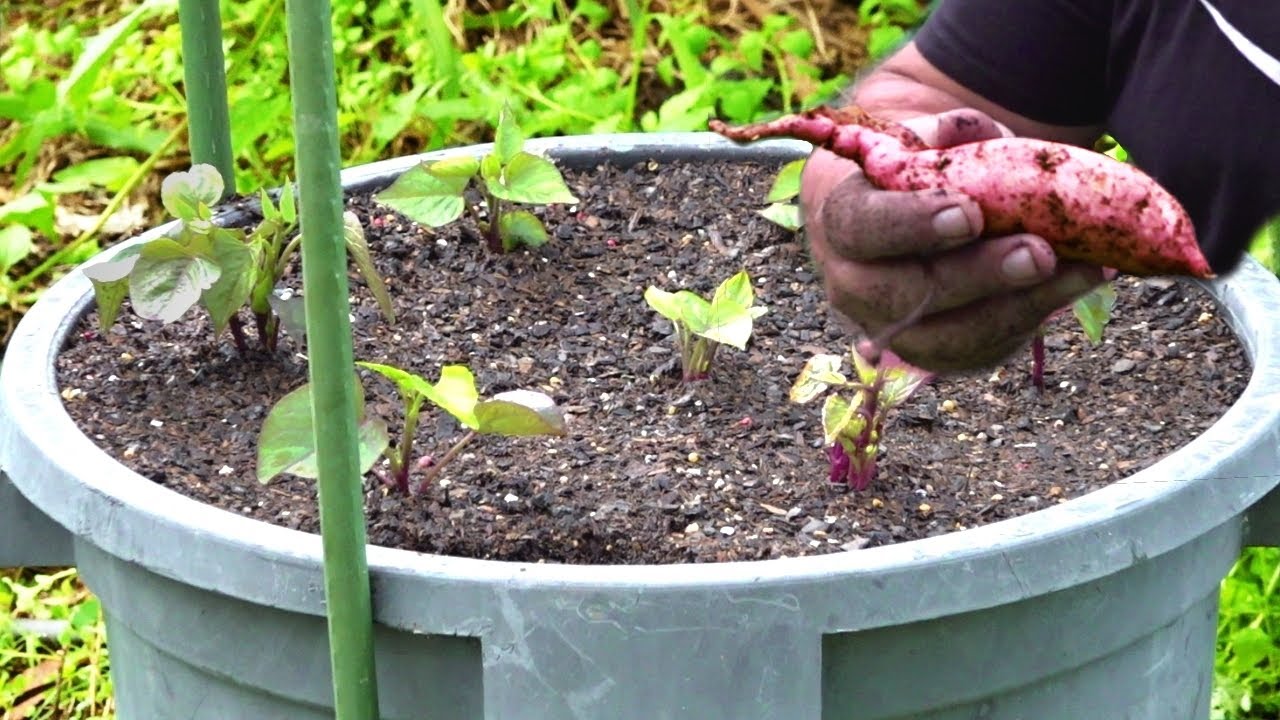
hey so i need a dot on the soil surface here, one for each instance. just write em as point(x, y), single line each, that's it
point(654, 470)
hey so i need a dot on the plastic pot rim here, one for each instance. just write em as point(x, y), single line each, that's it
point(1182, 496)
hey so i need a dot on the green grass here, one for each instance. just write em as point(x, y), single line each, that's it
point(91, 115)
point(61, 671)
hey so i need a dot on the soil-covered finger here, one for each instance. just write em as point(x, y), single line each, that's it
point(984, 333)
point(863, 223)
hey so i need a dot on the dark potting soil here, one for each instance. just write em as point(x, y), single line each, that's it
point(653, 470)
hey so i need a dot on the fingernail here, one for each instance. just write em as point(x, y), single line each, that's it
point(1019, 267)
point(951, 223)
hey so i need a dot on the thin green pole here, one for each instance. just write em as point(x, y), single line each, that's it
point(324, 276)
point(204, 70)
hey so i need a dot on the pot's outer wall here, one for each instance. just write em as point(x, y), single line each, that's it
point(1101, 607)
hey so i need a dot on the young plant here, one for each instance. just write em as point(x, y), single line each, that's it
point(285, 444)
point(786, 186)
point(702, 326)
point(853, 418)
point(222, 269)
point(434, 193)
point(1092, 311)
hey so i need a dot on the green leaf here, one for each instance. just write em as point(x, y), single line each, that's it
point(840, 417)
point(189, 195)
point(455, 393)
point(15, 245)
point(819, 373)
point(520, 412)
point(427, 195)
point(1251, 647)
point(288, 204)
point(507, 139)
point(783, 214)
point(408, 384)
point(358, 248)
point(683, 307)
point(168, 279)
point(74, 89)
point(34, 210)
point(286, 443)
point(531, 179)
point(728, 324)
point(735, 290)
point(109, 172)
point(865, 371)
point(111, 283)
point(238, 272)
point(667, 304)
point(787, 183)
point(1093, 311)
point(898, 385)
point(520, 227)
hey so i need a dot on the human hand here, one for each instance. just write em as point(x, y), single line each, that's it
point(885, 256)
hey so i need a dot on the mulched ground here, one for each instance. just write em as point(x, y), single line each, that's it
point(654, 471)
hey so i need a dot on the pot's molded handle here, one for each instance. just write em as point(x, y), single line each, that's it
point(1262, 521)
point(28, 537)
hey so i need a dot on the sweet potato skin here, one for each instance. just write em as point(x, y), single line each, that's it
point(1088, 206)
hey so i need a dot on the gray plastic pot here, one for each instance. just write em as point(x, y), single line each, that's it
point(1102, 607)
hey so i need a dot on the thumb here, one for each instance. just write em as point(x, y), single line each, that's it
point(956, 127)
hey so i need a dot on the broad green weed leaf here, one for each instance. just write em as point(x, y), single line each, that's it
point(74, 89)
point(1093, 311)
point(189, 195)
point(819, 373)
point(786, 184)
point(1251, 647)
point(531, 179)
point(358, 248)
point(520, 227)
point(286, 443)
point(168, 279)
point(109, 172)
point(34, 209)
point(15, 245)
point(238, 274)
point(426, 197)
point(507, 140)
point(520, 412)
point(785, 215)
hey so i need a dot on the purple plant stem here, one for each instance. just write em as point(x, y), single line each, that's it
point(237, 334)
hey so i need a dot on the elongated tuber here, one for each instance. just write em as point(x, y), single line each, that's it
point(1088, 206)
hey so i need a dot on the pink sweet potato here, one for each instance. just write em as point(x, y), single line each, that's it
point(1090, 207)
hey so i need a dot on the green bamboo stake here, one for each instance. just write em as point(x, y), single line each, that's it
point(324, 273)
point(204, 70)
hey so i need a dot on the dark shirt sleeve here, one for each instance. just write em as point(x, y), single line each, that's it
point(1044, 59)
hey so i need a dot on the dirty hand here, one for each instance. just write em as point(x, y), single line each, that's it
point(881, 252)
